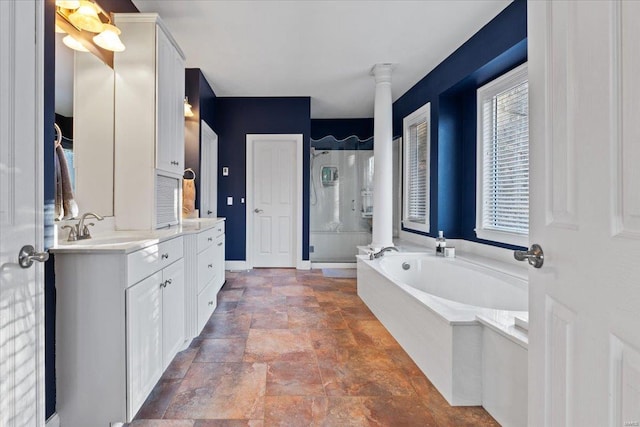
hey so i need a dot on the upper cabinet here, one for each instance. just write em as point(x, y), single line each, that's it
point(170, 114)
point(149, 124)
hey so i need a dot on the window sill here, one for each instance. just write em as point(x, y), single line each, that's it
point(503, 237)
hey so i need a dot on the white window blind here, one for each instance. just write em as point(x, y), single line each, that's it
point(417, 161)
point(504, 144)
point(416, 170)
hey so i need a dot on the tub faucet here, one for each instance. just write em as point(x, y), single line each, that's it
point(382, 251)
point(82, 230)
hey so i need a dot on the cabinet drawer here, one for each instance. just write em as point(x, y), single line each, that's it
point(219, 228)
point(206, 267)
point(147, 261)
point(206, 239)
point(207, 302)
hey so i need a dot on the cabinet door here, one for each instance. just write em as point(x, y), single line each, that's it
point(144, 340)
point(172, 311)
point(220, 251)
point(169, 110)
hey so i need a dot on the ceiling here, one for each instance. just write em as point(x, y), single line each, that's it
point(319, 48)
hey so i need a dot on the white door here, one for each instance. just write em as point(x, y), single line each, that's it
point(584, 337)
point(21, 214)
point(144, 339)
point(272, 200)
point(208, 172)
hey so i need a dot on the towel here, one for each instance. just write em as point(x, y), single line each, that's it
point(189, 195)
point(66, 206)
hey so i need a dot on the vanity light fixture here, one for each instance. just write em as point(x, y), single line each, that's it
point(86, 17)
point(187, 108)
point(109, 38)
point(74, 44)
point(91, 28)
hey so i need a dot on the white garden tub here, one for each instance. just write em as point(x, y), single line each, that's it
point(431, 306)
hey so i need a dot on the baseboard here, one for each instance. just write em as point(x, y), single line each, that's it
point(304, 265)
point(235, 265)
point(53, 421)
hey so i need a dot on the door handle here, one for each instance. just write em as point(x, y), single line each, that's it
point(256, 210)
point(28, 254)
point(535, 255)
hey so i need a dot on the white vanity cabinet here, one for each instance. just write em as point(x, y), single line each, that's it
point(205, 252)
point(120, 321)
point(149, 124)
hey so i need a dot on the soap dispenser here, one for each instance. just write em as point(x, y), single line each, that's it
point(441, 243)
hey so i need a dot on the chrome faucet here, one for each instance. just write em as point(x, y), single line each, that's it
point(381, 252)
point(80, 231)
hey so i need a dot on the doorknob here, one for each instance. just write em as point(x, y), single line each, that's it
point(534, 255)
point(256, 210)
point(28, 254)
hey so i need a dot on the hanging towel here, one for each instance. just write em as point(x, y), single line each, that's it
point(189, 195)
point(64, 192)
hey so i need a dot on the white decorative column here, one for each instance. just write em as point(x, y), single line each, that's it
point(383, 155)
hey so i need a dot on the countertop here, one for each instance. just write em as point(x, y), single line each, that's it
point(131, 241)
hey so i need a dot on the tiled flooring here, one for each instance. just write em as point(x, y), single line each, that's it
point(289, 348)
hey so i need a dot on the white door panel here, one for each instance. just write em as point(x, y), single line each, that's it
point(274, 202)
point(21, 213)
point(584, 339)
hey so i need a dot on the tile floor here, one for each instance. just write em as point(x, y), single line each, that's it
point(292, 348)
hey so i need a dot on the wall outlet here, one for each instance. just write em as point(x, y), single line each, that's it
point(311, 249)
point(225, 171)
point(229, 201)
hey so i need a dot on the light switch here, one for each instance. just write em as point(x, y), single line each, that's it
point(229, 201)
point(225, 171)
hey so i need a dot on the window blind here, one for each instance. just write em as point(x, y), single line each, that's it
point(417, 173)
point(506, 160)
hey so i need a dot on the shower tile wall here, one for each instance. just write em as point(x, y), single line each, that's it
point(337, 223)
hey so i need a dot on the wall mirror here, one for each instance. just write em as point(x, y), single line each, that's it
point(84, 102)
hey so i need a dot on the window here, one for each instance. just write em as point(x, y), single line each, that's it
point(503, 159)
point(416, 169)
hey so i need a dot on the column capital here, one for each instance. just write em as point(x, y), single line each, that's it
point(382, 72)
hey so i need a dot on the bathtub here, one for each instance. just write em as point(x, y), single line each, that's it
point(432, 306)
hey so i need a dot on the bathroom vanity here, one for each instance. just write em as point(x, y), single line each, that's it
point(127, 302)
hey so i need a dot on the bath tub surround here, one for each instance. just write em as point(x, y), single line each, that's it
point(432, 308)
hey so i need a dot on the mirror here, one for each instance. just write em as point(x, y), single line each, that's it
point(84, 102)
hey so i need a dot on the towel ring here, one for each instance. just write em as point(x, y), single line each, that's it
point(189, 170)
point(58, 135)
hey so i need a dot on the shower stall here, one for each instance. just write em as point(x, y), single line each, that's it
point(341, 198)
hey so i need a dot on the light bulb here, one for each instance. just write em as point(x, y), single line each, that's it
point(68, 4)
point(108, 39)
point(74, 44)
point(86, 18)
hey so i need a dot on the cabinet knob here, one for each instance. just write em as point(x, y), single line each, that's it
point(210, 265)
point(164, 256)
point(168, 281)
point(174, 162)
point(220, 244)
point(210, 302)
point(210, 239)
point(209, 212)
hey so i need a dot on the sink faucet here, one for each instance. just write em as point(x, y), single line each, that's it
point(382, 251)
point(82, 229)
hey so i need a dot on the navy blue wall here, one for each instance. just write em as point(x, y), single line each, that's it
point(202, 99)
point(451, 87)
point(342, 128)
point(234, 119)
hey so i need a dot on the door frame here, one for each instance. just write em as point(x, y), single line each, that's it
point(296, 212)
